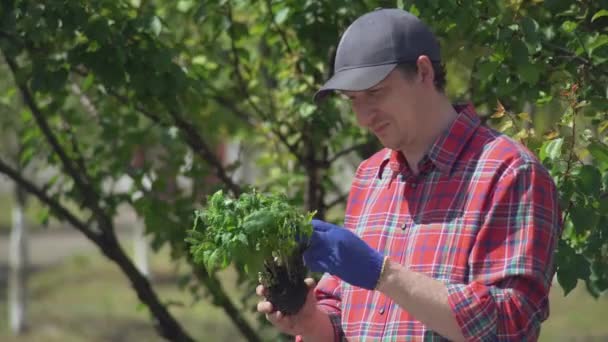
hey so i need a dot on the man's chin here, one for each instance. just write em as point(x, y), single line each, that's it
point(388, 144)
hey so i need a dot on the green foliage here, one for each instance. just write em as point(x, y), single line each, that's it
point(253, 229)
point(177, 80)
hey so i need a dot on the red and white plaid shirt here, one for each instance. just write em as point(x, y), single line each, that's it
point(482, 216)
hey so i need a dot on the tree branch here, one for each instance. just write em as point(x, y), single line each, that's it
point(79, 159)
point(90, 197)
point(201, 147)
point(344, 152)
point(245, 91)
point(226, 103)
point(55, 206)
point(7, 35)
point(194, 140)
point(285, 41)
point(85, 101)
point(235, 56)
point(247, 119)
point(281, 33)
point(569, 54)
point(336, 201)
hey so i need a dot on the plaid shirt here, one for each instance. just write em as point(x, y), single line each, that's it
point(481, 216)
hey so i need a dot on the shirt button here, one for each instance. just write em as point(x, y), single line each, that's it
point(414, 185)
point(381, 311)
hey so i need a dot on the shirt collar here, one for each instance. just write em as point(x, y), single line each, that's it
point(446, 148)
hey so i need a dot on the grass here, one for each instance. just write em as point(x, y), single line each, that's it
point(88, 299)
point(576, 317)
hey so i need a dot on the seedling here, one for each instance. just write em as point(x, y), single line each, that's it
point(257, 233)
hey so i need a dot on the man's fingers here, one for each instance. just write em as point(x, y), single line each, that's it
point(265, 307)
point(310, 282)
point(275, 317)
point(259, 290)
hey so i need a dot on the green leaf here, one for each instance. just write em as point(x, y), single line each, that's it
point(599, 151)
point(242, 238)
point(569, 26)
point(584, 218)
point(486, 69)
point(26, 155)
point(43, 216)
point(86, 85)
point(603, 205)
point(567, 279)
point(519, 52)
point(281, 15)
point(551, 149)
point(307, 110)
point(566, 189)
point(529, 72)
point(156, 26)
point(590, 179)
point(414, 10)
point(599, 14)
point(597, 42)
point(571, 267)
point(531, 35)
point(213, 260)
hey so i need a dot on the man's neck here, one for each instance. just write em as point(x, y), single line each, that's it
point(441, 117)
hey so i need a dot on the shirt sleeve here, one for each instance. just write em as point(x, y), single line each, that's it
point(511, 262)
point(329, 300)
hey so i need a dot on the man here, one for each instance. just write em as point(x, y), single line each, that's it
point(450, 230)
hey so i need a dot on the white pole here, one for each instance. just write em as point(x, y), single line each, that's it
point(140, 248)
point(18, 267)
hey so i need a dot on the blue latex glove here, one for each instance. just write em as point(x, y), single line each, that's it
point(340, 252)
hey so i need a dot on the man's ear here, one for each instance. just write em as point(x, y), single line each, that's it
point(425, 70)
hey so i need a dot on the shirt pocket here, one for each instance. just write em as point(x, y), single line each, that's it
point(440, 250)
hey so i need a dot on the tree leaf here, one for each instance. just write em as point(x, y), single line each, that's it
point(597, 42)
point(213, 260)
point(530, 29)
point(569, 26)
point(529, 72)
point(599, 14)
point(584, 218)
point(519, 51)
point(551, 149)
point(571, 267)
point(567, 278)
point(486, 69)
point(281, 15)
point(242, 238)
point(156, 26)
point(599, 151)
point(590, 179)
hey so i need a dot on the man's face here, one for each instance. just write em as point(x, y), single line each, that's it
point(391, 109)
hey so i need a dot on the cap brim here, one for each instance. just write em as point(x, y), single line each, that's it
point(355, 79)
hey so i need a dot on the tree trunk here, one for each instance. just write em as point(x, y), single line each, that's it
point(165, 323)
point(221, 298)
point(18, 266)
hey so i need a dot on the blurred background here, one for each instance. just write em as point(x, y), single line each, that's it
point(119, 118)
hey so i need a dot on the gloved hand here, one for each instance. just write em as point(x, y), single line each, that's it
point(340, 252)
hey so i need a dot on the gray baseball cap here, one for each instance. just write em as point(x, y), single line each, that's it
point(373, 45)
